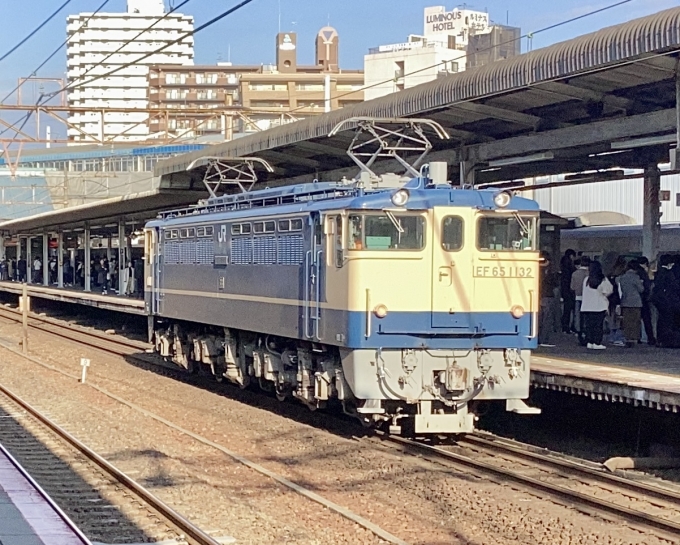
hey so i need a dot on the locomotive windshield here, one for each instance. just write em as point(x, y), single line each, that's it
point(386, 231)
point(507, 233)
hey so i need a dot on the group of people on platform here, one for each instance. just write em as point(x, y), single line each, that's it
point(613, 296)
point(104, 274)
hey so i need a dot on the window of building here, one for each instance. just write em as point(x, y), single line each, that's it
point(348, 87)
point(268, 104)
point(177, 94)
point(309, 86)
point(175, 79)
point(268, 86)
point(206, 94)
point(206, 79)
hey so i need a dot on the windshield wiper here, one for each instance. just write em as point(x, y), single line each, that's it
point(395, 222)
point(524, 228)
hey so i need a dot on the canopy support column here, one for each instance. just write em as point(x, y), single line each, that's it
point(651, 226)
point(60, 259)
point(121, 257)
point(87, 259)
point(29, 261)
point(45, 259)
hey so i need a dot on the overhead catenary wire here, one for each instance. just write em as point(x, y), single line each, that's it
point(207, 24)
point(35, 31)
point(128, 42)
point(24, 119)
point(51, 55)
point(188, 34)
point(490, 48)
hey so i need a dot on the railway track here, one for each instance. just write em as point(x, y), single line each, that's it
point(105, 504)
point(582, 485)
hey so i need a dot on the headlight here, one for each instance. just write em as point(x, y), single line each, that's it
point(400, 197)
point(380, 311)
point(502, 199)
point(517, 312)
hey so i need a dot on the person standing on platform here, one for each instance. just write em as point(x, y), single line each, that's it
point(596, 291)
point(567, 268)
point(643, 273)
point(37, 271)
point(666, 299)
point(631, 289)
point(548, 287)
point(104, 276)
point(11, 269)
point(577, 278)
point(129, 279)
point(21, 270)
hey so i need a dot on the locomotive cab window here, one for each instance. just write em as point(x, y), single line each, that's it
point(386, 231)
point(452, 233)
point(507, 232)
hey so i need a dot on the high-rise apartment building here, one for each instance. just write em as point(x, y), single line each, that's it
point(127, 43)
point(451, 42)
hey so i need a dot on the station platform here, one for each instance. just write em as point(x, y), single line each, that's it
point(644, 375)
point(27, 515)
point(73, 295)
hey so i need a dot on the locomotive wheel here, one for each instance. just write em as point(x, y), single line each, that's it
point(282, 395)
point(264, 385)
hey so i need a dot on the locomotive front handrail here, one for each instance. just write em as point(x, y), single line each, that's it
point(532, 316)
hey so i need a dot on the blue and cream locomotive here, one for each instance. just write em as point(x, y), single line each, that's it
point(403, 303)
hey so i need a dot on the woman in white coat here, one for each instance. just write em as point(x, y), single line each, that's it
point(596, 291)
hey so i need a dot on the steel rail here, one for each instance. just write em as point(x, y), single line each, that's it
point(165, 510)
point(570, 466)
point(50, 323)
point(58, 510)
point(571, 498)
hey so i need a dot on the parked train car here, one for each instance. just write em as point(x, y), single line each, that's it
point(404, 304)
point(623, 239)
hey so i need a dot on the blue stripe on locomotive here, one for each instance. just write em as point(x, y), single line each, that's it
point(398, 329)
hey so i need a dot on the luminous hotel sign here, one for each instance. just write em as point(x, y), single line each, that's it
point(452, 21)
point(441, 22)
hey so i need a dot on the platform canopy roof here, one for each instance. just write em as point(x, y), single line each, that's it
point(135, 209)
point(563, 108)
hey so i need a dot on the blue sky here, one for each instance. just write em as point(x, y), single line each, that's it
point(248, 35)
